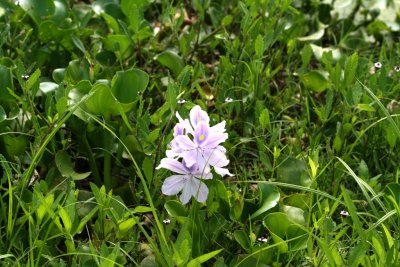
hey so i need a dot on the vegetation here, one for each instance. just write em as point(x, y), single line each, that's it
point(309, 91)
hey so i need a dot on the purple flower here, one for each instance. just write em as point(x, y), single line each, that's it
point(204, 150)
point(188, 180)
point(195, 148)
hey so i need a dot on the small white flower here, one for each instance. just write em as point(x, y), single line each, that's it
point(262, 239)
point(378, 65)
point(397, 68)
point(344, 213)
point(228, 100)
point(167, 221)
point(25, 77)
point(181, 101)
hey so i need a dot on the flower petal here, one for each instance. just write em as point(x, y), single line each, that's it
point(218, 128)
point(197, 115)
point(199, 190)
point(222, 171)
point(190, 157)
point(172, 165)
point(214, 139)
point(173, 184)
point(184, 142)
point(186, 192)
point(201, 133)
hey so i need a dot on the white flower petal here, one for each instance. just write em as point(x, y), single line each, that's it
point(222, 171)
point(186, 192)
point(172, 165)
point(184, 142)
point(199, 190)
point(218, 128)
point(197, 115)
point(173, 184)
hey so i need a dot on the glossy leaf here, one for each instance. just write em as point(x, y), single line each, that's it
point(269, 197)
point(171, 60)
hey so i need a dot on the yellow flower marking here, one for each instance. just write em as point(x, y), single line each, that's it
point(201, 137)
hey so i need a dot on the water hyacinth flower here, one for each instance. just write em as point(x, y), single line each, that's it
point(188, 180)
point(193, 152)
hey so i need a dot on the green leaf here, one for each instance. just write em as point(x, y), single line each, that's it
point(47, 87)
point(120, 44)
point(33, 78)
point(264, 118)
point(147, 167)
point(58, 75)
point(5, 82)
point(65, 219)
point(242, 238)
point(314, 36)
point(77, 71)
point(295, 214)
point(269, 197)
point(172, 61)
point(126, 225)
point(366, 107)
point(102, 101)
point(126, 85)
point(350, 68)
point(142, 209)
point(175, 208)
point(65, 166)
point(293, 171)
point(203, 258)
point(259, 46)
point(38, 9)
point(3, 115)
point(316, 81)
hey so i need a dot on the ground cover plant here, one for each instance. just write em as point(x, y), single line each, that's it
point(199, 133)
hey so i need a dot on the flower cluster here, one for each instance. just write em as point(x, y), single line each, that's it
point(193, 152)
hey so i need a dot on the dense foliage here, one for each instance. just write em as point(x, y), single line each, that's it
point(308, 90)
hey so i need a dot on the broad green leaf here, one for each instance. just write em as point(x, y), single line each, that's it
point(78, 70)
point(120, 44)
point(58, 75)
point(65, 166)
point(47, 87)
point(172, 61)
point(175, 208)
point(203, 258)
point(269, 197)
point(126, 225)
point(318, 51)
point(295, 214)
point(182, 246)
point(102, 101)
point(366, 107)
point(316, 81)
point(126, 85)
point(15, 145)
point(293, 171)
point(242, 238)
point(38, 9)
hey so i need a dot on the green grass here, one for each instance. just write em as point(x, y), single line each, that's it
point(88, 96)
